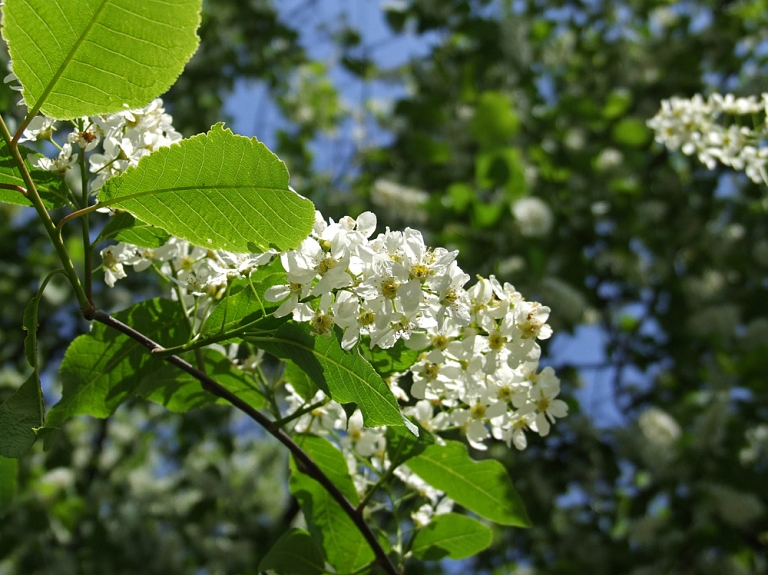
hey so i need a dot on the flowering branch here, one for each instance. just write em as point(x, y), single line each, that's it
point(303, 461)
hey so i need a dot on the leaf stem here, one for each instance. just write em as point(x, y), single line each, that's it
point(14, 188)
point(305, 463)
point(280, 423)
point(76, 214)
point(85, 304)
point(87, 251)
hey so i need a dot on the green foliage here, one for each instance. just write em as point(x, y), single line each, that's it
point(52, 188)
point(217, 190)
point(20, 415)
point(331, 461)
point(80, 58)
point(344, 375)
point(331, 529)
point(125, 228)
point(451, 536)
point(180, 392)
point(295, 553)
point(481, 486)
point(104, 368)
point(403, 445)
point(9, 470)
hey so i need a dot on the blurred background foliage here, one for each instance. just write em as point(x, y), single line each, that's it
point(517, 135)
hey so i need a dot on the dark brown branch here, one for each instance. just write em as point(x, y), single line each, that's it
point(19, 189)
point(303, 461)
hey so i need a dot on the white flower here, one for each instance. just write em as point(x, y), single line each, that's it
point(534, 217)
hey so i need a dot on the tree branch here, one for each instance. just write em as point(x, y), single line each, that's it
point(304, 462)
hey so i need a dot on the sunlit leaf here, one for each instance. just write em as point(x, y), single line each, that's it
point(85, 57)
point(451, 536)
point(481, 486)
point(217, 190)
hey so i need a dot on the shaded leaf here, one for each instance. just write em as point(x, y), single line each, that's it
point(85, 57)
point(125, 228)
point(344, 375)
point(50, 185)
point(451, 536)
point(180, 391)
point(481, 486)
point(217, 190)
point(102, 369)
point(403, 445)
point(332, 529)
point(295, 553)
point(331, 462)
point(20, 414)
point(299, 380)
point(9, 471)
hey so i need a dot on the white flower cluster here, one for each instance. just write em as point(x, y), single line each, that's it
point(478, 370)
point(125, 137)
point(724, 129)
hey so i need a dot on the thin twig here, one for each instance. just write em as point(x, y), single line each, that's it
point(304, 462)
point(19, 189)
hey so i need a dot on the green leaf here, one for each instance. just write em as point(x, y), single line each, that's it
point(180, 391)
point(295, 553)
point(481, 486)
point(85, 57)
point(332, 529)
point(402, 445)
point(331, 462)
point(30, 325)
point(344, 375)
point(217, 190)
point(451, 536)
point(9, 470)
point(299, 380)
point(102, 369)
point(495, 120)
point(125, 228)
point(387, 362)
point(50, 185)
point(632, 132)
point(20, 414)
point(246, 307)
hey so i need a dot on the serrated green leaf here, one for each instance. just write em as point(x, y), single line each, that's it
point(180, 391)
point(19, 415)
point(9, 471)
point(332, 529)
point(299, 380)
point(295, 553)
point(481, 486)
point(85, 57)
point(331, 462)
point(396, 359)
point(102, 369)
point(344, 375)
point(125, 228)
point(451, 536)
point(403, 445)
point(245, 307)
point(51, 186)
point(217, 190)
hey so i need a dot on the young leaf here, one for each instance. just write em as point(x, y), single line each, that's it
point(180, 391)
point(20, 414)
point(102, 369)
point(481, 486)
point(9, 471)
point(344, 375)
point(125, 228)
point(402, 445)
point(295, 553)
point(451, 536)
point(332, 529)
point(217, 190)
point(50, 185)
point(85, 57)
point(331, 462)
